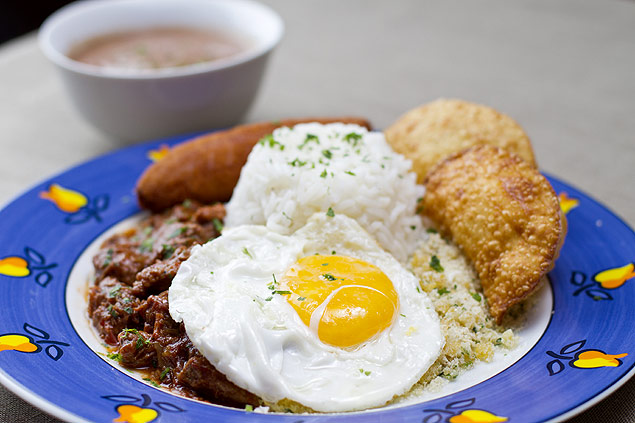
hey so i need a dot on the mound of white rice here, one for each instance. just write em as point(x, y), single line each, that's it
point(312, 168)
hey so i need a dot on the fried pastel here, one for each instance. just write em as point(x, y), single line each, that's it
point(207, 168)
point(503, 214)
point(430, 133)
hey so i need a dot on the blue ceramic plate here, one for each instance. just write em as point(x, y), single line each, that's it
point(586, 351)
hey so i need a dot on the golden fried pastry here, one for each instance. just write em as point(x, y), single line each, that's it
point(207, 168)
point(428, 134)
point(503, 214)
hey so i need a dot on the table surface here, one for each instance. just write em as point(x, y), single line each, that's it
point(565, 70)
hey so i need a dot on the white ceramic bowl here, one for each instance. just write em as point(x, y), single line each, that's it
point(140, 105)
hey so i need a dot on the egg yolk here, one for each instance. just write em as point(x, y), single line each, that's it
point(344, 300)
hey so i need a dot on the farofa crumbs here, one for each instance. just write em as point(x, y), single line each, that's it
point(471, 335)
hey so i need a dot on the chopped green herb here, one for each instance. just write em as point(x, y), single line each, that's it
point(435, 264)
point(108, 259)
point(476, 296)
point(474, 329)
point(268, 298)
point(309, 138)
point(333, 252)
point(328, 277)
point(218, 225)
point(247, 253)
point(297, 163)
point(365, 372)
point(285, 215)
point(146, 245)
point(301, 298)
point(115, 291)
point(114, 356)
point(330, 212)
point(499, 341)
point(165, 372)
point(413, 227)
point(327, 154)
point(402, 315)
point(325, 264)
point(211, 273)
point(281, 292)
point(442, 291)
point(432, 231)
point(270, 141)
point(349, 173)
point(153, 383)
point(128, 310)
point(418, 290)
point(177, 232)
point(112, 311)
point(167, 251)
point(249, 408)
point(323, 174)
point(352, 137)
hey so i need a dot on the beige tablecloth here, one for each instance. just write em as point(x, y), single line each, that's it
point(565, 70)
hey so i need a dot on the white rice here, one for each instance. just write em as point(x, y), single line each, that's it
point(312, 167)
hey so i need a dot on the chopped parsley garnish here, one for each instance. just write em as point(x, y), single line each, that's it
point(435, 264)
point(165, 372)
point(141, 341)
point(328, 277)
point(146, 245)
point(352, 137)
point(348, 172)
point(365, 372)
point(325, 264)
point(330, 212)
point(153, 383)
point(419, 205)
point(128, 310)
point(268, 298)
point(218, 225)
point(323, 174)
point(249, 408)
point(308, 139)
point(301, 298)
point(432, 231)
point(499, 341)
point(413, 227)
point(281, 292)
point(177, 232)
point(442, 291)
point(112, 311)
point(114, 356)
point(115, 291)
point(167, 251)
point(333, 252)
point(476, 296)
point(108, 259)
point(297, 163)
point(418, 290)
point(271, 142)
point(247, 253)
point(402, 315)
point(327, 154)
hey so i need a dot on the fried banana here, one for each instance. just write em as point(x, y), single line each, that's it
point(430, 133)
point(207, 168)
point(503, 214)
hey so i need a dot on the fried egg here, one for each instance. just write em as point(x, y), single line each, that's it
point(324, 316)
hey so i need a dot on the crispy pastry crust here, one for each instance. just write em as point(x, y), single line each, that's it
point(432, 132)
point(207, 168)
point(503, 214)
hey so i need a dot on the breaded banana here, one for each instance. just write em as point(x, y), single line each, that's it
point(207, 168)
point(503, 214)
point(430, 133)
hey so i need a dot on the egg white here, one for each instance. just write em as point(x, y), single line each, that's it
point(260, 343)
